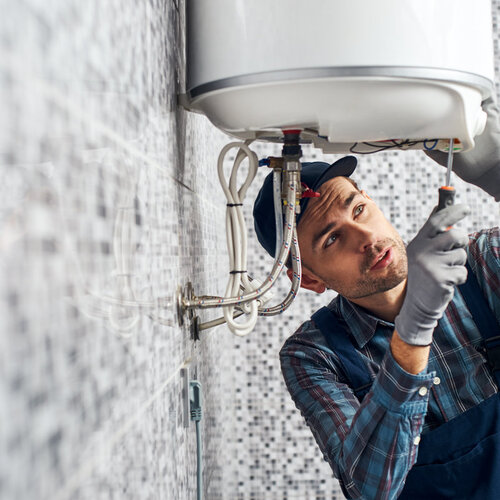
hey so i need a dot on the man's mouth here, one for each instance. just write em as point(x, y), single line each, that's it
point(383, 259)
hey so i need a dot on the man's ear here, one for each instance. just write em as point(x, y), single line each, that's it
point(308, 282)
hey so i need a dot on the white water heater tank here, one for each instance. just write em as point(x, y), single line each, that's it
point(346, 72)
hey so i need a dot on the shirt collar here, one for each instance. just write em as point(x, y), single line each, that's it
point(361, 323)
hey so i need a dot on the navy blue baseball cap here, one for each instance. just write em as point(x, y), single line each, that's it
point(313, 174)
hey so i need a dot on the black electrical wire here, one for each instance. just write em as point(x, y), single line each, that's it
point(378, 148)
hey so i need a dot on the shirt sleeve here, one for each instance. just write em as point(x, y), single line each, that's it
point(370, 446)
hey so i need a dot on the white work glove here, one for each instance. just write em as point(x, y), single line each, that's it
point(436, 259)
point(481, 165)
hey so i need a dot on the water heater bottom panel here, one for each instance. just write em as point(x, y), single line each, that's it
point(347, 110)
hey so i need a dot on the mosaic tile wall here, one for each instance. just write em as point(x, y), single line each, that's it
point(109, 200)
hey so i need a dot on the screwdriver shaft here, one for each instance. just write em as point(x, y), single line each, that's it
point(450, 163)
point(446, 192)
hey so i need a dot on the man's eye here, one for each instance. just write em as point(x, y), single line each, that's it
point(331, 239)
point(359, 209)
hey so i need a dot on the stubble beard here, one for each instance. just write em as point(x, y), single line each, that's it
point(368, 285)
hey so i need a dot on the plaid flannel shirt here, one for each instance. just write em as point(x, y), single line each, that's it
point(372, 445)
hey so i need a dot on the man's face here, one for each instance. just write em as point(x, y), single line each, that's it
point(347, 244)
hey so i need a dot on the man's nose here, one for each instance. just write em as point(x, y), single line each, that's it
point(366, 238)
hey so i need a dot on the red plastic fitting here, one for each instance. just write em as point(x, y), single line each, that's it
point(308, 192)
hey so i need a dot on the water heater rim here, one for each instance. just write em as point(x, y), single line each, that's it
point(484, 84)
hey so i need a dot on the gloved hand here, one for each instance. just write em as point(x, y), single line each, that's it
point(436, 259)
point(481, 165)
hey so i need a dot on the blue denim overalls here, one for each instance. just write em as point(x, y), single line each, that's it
point(461, 458)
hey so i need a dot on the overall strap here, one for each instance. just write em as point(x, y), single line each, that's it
point(485, 321)
point(341, 344)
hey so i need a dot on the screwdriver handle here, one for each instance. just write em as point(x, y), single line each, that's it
point(446, 197)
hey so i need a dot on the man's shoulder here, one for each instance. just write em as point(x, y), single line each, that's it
point(308, 337)
point(306, 334)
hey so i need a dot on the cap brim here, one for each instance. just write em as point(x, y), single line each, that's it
point(341, 168)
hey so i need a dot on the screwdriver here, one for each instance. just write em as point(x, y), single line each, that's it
point(447, 192)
